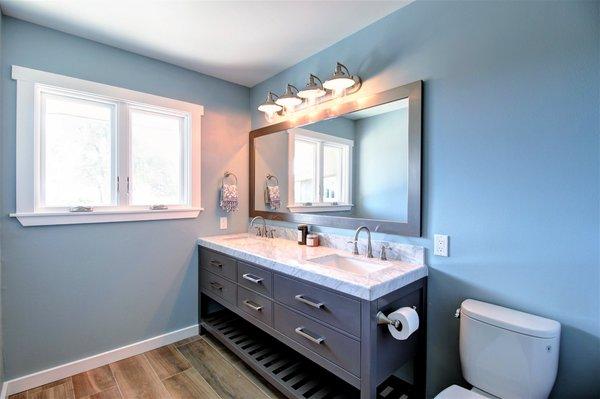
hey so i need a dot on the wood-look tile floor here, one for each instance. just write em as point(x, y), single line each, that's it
point(198, 367)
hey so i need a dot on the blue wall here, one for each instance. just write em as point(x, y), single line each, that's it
point(73, 291)
point(511, 172)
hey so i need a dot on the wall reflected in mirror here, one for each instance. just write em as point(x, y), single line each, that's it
point(355, 165)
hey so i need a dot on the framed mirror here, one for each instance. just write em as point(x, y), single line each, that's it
point(344, 165)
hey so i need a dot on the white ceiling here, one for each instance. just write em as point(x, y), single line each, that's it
point(244, 42)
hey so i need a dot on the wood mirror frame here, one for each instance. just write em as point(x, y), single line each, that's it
point(412, 227)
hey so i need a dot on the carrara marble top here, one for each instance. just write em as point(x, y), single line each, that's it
point(287, 257)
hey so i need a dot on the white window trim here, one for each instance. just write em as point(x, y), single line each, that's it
point(321, 206)
point(27, 150)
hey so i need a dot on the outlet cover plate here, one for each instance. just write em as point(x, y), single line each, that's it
point(440, 245)
point(223, 223)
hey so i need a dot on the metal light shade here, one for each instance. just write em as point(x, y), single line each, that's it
point(312, 90)
point(289, 98)
point(270, 107)
point(340, 80)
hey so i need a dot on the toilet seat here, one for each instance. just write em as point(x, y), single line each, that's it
point(458, 392)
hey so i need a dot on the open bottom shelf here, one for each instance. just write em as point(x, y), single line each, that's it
point(290, 372)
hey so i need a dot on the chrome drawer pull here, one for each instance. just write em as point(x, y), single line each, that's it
point(300, 332)
point(252, 305)
point(251, 278)
point(301, 298)
point(216, 286)
point(215, 263)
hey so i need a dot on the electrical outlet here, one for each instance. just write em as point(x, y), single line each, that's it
point(223, 223)
point(440, 245)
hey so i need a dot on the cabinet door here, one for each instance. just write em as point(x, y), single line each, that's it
point(255, 305)
point(332, 345)
point(332, 308)
point(255, 279)
point(218, 286)
point(217, 263)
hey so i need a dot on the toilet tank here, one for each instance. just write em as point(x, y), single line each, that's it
point(507, 353)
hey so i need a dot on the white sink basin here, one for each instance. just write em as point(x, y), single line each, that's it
point(244, 240)
point(349, 264)
point(236, 238)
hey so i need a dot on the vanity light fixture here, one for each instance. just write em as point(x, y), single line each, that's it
point(338, 84)
point(289, 99)
point(313, 90)
point(340, 80)
point(270, 107)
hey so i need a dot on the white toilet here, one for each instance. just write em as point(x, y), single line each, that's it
point(505, 353)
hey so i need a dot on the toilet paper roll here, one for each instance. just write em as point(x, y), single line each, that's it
point(409, 323)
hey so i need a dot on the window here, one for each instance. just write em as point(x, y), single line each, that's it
point(77, 164)
point(88, 152)
point(158, 153)
point(322, 170)
point(305, 171)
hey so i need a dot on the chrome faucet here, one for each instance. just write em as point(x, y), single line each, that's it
point(261, 231)
point(355, 241)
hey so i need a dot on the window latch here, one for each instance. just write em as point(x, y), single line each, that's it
point(158, 207)
point(81, 209)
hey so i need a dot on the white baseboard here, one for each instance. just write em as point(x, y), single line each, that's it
point(78, 366)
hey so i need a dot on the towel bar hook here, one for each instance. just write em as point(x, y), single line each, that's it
point(228, 174)
point(272, 177)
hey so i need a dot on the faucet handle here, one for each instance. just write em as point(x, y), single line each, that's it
point(355, 249)
point(384, 247)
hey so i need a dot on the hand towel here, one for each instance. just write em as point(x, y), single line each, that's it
point(229, 198)
point(274, 200)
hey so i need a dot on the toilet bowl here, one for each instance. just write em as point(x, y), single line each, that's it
point(458, 392)
point(505, 353)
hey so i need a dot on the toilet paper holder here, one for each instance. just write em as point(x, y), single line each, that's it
point(383, 319)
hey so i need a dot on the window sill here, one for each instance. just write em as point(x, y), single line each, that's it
point(57, 218)
point(319, 208)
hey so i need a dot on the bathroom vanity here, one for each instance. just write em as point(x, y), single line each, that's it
point(306, 318)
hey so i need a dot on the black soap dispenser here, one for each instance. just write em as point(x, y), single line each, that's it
point(302, 233)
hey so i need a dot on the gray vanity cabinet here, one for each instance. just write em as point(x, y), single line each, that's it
point(277, 323)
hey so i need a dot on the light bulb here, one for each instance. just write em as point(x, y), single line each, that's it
point(269, 116)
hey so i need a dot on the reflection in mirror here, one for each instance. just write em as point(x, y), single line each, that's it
point(355, 165)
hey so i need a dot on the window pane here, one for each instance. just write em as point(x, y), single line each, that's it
point(76, 166)
point(305, 158)
point(157, 159)
point(332, 173)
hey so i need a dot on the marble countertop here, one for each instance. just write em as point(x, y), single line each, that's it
point(287, 257)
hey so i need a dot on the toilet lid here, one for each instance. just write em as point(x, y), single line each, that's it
point(457, 392)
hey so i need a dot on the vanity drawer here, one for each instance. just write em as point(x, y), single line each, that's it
point(255, 305)
point(334, 309)
point(218, 263)
point(218, 286)
point(255, 279)
point(332, 345)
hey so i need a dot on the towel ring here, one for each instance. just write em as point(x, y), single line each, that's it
point(226, 175)
point(272, 177)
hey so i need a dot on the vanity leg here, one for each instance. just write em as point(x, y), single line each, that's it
point(421, 356)
point(368, 348)
point(202, 312)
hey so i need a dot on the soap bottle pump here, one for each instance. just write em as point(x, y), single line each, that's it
point(302, 233)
